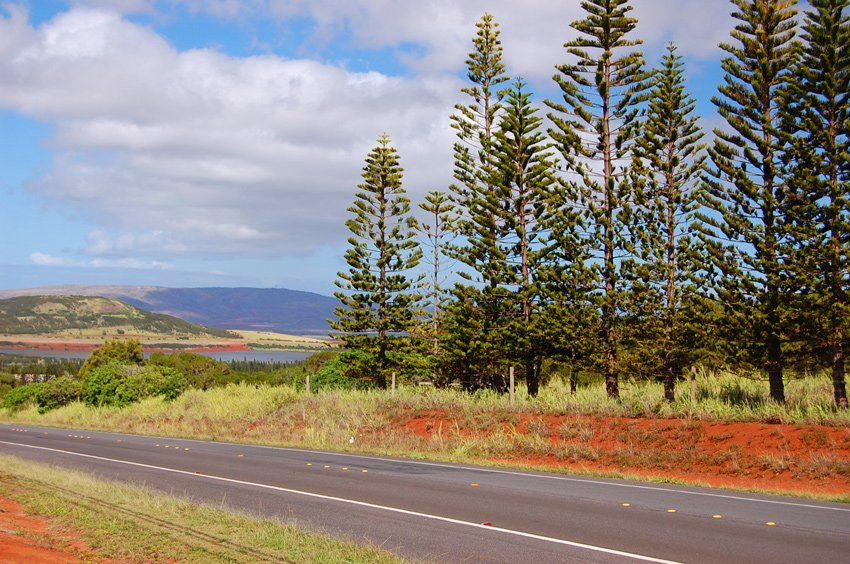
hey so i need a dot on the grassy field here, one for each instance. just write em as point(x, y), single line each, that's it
point(136, 524)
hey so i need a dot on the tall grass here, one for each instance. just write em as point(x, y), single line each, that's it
point(335, 419)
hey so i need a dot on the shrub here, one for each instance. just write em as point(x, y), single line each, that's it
point(200, 371)
point(100, 383)
point(150, 381)
point(120, 384)
point(58, 392)
point(20, 397)
point(339, 372)
point(124, 352)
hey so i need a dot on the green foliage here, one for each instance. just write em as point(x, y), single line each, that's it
point(474, 344)
point(438, 233)
point(378, 299)
point(200, 371)
point(119, 384)
point(343, 371)
point(22, 396)
point(143, 382)
point(101, 382)
point(745, 230)
point(663, 272)
point(817, 112)
point(594, 126)
point(58, 392)
point(113, 350)
point(525, 169)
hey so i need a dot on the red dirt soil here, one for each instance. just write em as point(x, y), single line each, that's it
point(19, 533)
point(771, 457)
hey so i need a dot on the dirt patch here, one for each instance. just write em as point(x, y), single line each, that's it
point(26, 538)
point(777, 457)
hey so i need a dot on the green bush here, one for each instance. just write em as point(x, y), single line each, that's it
point(200, 371)
point(341, 372)
point(100, 383)
point(58, 392)
point(150, 381)
point(20, 397)
point(114, 350)
point(120, 384)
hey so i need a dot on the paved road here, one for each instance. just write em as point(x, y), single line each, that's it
point(453, 513)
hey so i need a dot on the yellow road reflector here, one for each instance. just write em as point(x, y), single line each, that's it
point(156, 445)
point(327, 465)
point(627, 505)
point(309, 464)
point(187, 448)
point(770, 524)
point(364, 471)
point(717, 516)
point(671, 511)
point(474, 485)
point(241, 456)
point(345, 467)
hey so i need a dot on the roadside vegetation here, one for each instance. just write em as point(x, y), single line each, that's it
point(722, 429)
point(138, 524)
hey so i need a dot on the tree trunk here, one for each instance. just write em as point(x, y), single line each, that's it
point(670, 378)
point(573, 373)
point(838, 385)
point(609, 311)
point(774, 367)
point(532, 377)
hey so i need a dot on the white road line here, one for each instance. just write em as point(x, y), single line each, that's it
point(497, 471)
point(362, 504)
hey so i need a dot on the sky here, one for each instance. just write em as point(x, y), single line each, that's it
point(189, 143)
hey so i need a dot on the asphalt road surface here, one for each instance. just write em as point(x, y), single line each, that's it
point(454, 513)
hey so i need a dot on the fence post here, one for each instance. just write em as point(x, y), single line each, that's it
point(393, 392)
point(513, 394)
point(308, 384)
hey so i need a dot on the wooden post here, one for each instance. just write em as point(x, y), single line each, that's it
point(513, 393)
point(393, 383)
point(308, 384)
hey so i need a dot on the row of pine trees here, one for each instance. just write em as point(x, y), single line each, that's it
point(601, 229)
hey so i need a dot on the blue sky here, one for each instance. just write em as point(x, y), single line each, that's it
point(219, 142)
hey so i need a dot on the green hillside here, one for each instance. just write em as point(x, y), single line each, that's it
point(49, 315)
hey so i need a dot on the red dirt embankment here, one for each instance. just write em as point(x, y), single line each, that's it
point(779, 457)
point(25, 538)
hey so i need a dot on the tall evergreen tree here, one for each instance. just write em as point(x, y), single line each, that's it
point(438, 233)
point(745, 231)
point(668, 164)
point(477, 340)
point(525, 173)
point(818, 114)
point(378, 298)
point(594, 131)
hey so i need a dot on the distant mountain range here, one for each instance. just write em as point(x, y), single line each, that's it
point(258, 309)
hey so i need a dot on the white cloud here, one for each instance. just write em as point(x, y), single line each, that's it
point(43, 259)
point(199, 152)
